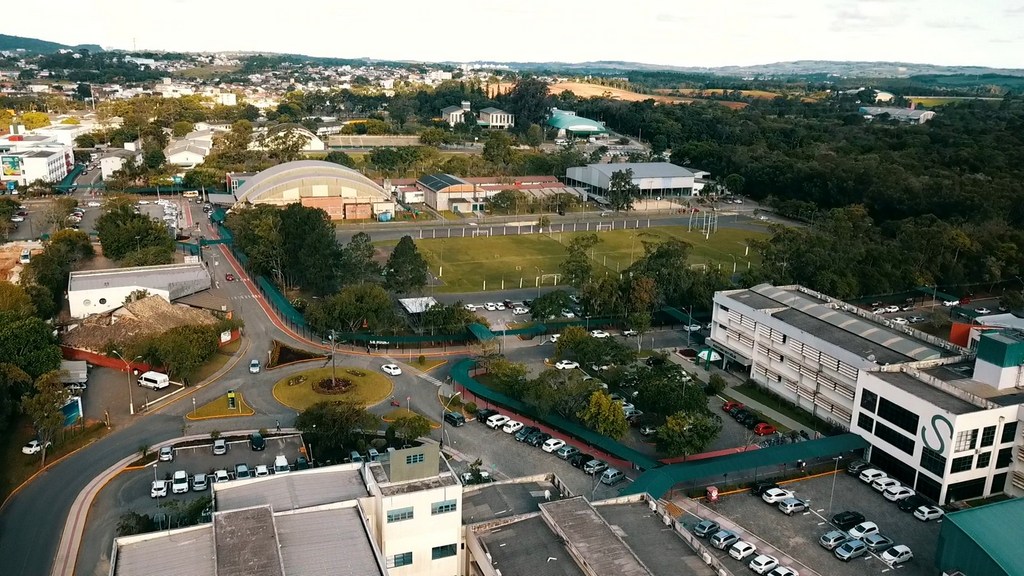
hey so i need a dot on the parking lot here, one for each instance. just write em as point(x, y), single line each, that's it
point(797, 535)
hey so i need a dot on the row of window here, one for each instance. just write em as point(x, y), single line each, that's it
point(436, 553)
point(935, 463)
point(966, 439)
point(402, 514)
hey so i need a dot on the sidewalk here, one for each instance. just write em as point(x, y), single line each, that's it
point(731, 382)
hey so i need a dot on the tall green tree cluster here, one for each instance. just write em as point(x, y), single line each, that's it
point(122, 233)
point(45, 278)
point(406, 269)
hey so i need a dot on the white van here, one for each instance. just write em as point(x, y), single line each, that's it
point(281, 465)
point(154, 380)
point(26, 256)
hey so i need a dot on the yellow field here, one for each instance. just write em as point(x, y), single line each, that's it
point(584, 90)
point(932, 101)
point(699, 92)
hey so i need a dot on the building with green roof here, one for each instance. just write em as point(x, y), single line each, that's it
point(983, 540)
point(568, 123)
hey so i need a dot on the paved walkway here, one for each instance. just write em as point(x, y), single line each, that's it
point(732, 381)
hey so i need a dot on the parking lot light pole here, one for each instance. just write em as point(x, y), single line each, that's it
point(443, 412)
point(128, 373)
point(833, 493)
point(154, 472)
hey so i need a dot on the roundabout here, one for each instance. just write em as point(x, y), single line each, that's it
point(357, 385)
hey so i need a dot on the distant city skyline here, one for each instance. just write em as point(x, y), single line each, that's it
point(739, 32)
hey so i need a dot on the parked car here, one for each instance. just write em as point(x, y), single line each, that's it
point(533, 437)
point(540, 439)
point(179, 482)
point(829, 540)
point(883, 484)
point(580, 460)
point(899, 321)
point(783, 571)
point(647, 430)
point(220, 447)
point(497, 421)
point(706, 528)
point(221, 476)
point(742, 549)
point(519, 310)
point(898, 554)
point(242, 471)
point(724, 539)
point(692, 328)
point(863, 529)
point(256, 442)
point(261, 471)
point(566, 452)
point(915, 319)
point(856, 467)
point(789, 506)
point(158, 489)
point(892, 308)
point(595, 466)
point(34, 447)
point(599, 334)
point(484, 414)
point(554, 338)
point(612, 476)
point(524, 433)
point(628, 333)
point(763, 429)
point(455, 419)
point(763, 563)
point(167, 454)
point(877, 542)
point(552, 445)
point(758, 488)
point(982, 310)
point(490, 306)
point(926, 513)
point(871, 474)
point(912, 503)
point(850, 549)
point(512, 426)
point(729, 405)
point(567, 365)
point(199, 482)
point(392, 369)
point(847, 519)
point(568, 313)
point(897, 493)
point(775, 495)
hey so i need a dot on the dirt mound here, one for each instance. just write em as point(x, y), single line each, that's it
point(147, 317)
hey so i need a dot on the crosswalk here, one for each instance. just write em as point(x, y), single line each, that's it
point(431, 379)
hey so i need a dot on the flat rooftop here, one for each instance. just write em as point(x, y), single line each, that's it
point(485, 502)
point(528, 548)
point(586, 532)
point(930, 394)
point(960, 375)
point(419, 485)
point(661, 550)
point(165, 277)
point(245, 543)
point(837, 323)
point(300, 489)
point(187, 552)
point(331, 541)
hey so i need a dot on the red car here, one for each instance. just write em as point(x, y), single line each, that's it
point(229, 277)
point(730, 405)
point(763, 429)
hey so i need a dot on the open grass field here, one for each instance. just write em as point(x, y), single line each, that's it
point(466, 264)
point(697, 92)
point(584, 90)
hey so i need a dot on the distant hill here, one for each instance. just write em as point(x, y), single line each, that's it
point(38, 46)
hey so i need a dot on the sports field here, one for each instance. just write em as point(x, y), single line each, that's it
point(467, 264)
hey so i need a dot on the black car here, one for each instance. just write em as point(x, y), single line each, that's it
point(540, 438)
point(855, 467)
point(533, 435)
point(736, 410)
point(912, 503)
point(301, 463)
point(256, 442)
point(525, 432)
point(454, 418)
point(758, 488)
point(483, 415)
point(848, 519)
point(739, 413)
point(527, 302)
point(580, 460)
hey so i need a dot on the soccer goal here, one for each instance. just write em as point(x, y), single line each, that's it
point(482, 232)
point(605, 227)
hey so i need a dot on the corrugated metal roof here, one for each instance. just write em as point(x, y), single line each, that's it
point(576, 124)
point(292, 491)
point(995, 528)
point(438, 182)
point(644, 169)
point(186, 552)
point(326, 542)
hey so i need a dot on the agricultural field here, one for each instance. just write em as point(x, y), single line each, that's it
point(466, 264)
point(584, 90)
point(698, 92)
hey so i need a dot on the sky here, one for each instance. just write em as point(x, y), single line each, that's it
point(670, 32)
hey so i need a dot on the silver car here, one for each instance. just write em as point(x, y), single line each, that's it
point(851, 549)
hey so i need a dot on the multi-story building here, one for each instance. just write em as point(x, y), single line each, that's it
point(50, 163)
point(496, 118)
point(941, 418)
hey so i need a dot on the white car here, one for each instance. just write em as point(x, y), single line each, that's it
point(783, 571)
point(897, 493)
point(982, 311)
point(568, 314)
point(221, 476)
point(950, 303)
point(597, 367)
point(33, 447)
point(166, 454)
point(863, 529)
point(742, 549)
point(254, 367)
point(490, 306)
point(179, 482)
point(567, 365)
point(519, 311)
point(94, 204)
point(555, 337)
point(599, 334)
point(762, 563)
point(900, 321)
point(552, 444)
point(883, 484)
point(497, 421)
point(261, 471)
point(158, 489)
point(17, 218)
point(871, 474)
point(512, 426)
point(898, 554)
point(892, 308)
point(926, 513)
point(392, 369)
point(470, 307)
point(878, 311)
point(776, 495)
point(628, 333)
point(692, 328)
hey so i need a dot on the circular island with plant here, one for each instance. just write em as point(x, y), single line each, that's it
point(340, 384)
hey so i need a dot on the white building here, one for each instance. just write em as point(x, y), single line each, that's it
point(653, 178)
point(191, 150)
point(49, 163)
point(114, 160)
point(455, 114)
point(938, 420)
point(282, 133)
point(908, 115)
point(495, 118)
point(64, 134)
point(98, 291)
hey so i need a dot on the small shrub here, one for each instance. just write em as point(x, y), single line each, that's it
point(715, 384)
point(390, 435)
point(263, 432)
point(215, 434)
point(470, 407)
point(379, 443)
point(356, 373)
point(360, 445)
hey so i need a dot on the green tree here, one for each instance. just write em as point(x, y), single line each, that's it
point(312, 246)
point(1012, 300)
point(509, 201)
point(44, 407)
point(577, 267)
point(86, 140)
point(182, 350)
point(351, 309)
point(687, 433)
point(734, 183)
point(570, 340)
point(181, 128)
point(604, 416)
point(33, 120)
point(154, 158)
point(510, 377)
point(333, 425)
point(534, 135)
point(528, 101)
point(131, 523)
point(622, 191)
point(14, 299)
point(121, 231)
point(339, 157)
point(410, 428)
point(664, 264)
point(357, 263)
point(435, 137)
point(550, 304)
point(28, 343)
point(498, 148)
point(448, 319)
point(148, 256)
point(406, 269)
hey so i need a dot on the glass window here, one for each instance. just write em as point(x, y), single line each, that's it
point(933, 462)
point(965, 440)
point(414, 458)
point(438, 552)
point(895, 438)
point(984, 459)
point(866, 422)
point(403, 559)
point(898, 415)
point(399, 514)
point(868, 400)
point(962, 464)
point(988, 436)
point(1009, 431)
point(1004, 458)
point(443, 507)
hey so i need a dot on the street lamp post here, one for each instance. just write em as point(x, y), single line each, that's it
point(334, 344)
point(154, 473)
point(443, 412)
point(833, 493)
point(128, 373)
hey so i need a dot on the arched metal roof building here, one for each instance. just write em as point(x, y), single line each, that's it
point(293, 181)
point(575, 124)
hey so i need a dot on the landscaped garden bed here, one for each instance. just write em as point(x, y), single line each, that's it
point(284, 355)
